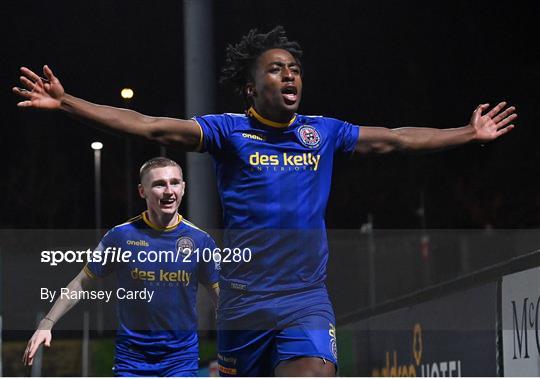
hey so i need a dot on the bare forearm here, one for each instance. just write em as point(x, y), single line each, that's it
point(374, 139)
point(183, 134)
point(481, 127)
point(62, 305)
point(122, 120)
point(426, 139)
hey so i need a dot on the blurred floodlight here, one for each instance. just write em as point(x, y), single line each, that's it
point(127, 93)
point(96, 145)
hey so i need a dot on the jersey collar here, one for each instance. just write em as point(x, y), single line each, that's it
point(253, 113)
point(147, 221)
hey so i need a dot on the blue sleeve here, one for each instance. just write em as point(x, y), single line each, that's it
point(208, 271)
point(96, 268)
point(215, 131)
point(346, 136)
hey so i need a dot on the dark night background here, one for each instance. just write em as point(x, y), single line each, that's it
point(389, 63)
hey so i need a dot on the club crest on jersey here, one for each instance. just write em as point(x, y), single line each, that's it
point(309, 136)
point(185, 245)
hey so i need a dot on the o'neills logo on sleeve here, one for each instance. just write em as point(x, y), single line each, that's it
point(254, 136)
point(285, 161)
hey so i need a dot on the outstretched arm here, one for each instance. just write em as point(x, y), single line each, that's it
point(481, 128)
point(48, 93)
point(43, 333)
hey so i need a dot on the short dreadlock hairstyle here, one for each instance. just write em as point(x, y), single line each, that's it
point(240, 58)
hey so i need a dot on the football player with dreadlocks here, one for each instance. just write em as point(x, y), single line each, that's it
point(274, 169)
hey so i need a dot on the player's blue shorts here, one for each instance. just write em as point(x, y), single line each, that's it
point(257, 332)
point(132, 362)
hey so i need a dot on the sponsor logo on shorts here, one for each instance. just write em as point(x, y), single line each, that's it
point(333, 348)
point(333, 343)
point(185, 246)
point(309, 136)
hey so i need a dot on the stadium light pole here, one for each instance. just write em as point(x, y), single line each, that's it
point(97, 146)
point(127, 95)
point(199, 87)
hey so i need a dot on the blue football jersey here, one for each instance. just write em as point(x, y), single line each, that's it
point(274, 184)
point(169, 321)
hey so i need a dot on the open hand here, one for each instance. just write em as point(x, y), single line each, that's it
point(41, 336)
point(41, 93)
point(494, 123)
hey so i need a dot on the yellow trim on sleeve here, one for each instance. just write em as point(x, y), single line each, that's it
point(253, 113)
point(89, 272)
point(189, 223)
point(215, 285)
point(199, 146)
point(131, 220)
